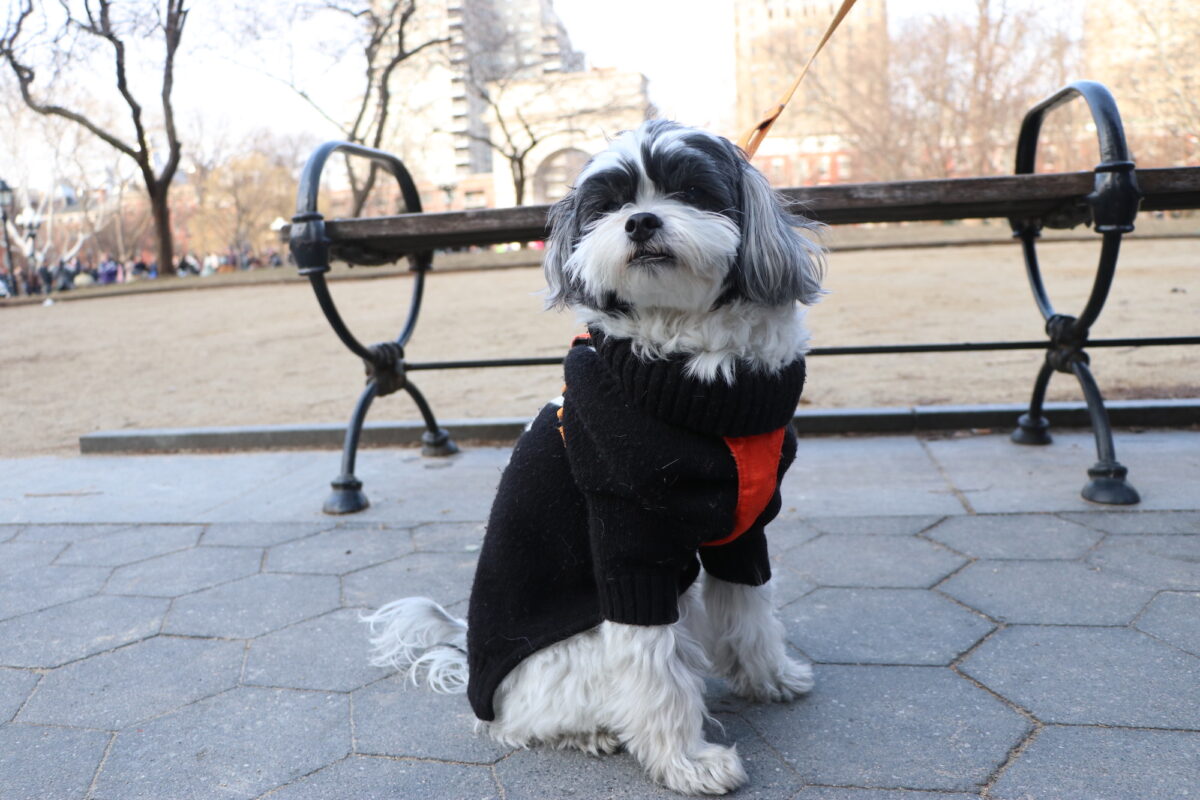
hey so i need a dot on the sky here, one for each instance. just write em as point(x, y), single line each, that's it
point(684, 47)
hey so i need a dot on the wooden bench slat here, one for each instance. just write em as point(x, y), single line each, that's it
point(900, 201)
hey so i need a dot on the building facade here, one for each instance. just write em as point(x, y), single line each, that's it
point(506, 110)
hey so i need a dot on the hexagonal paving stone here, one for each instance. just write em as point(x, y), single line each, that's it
point(445, 577)
point(544, 772)
point(1015, 536)
point(329, 653)
point(898, 525)
point(19, 556)
point(394, 718)
point(1048, 592)
point(67, 533)
point(15, 686)
point(1174, 617)
point(42, 587)
point(786, 534)
point(786, 585)
point(383, 777)
point(1116, 765)
point(875, 561)
point(1164, 562)
point(769, 776)
point(912, 727)
point(449, 537)
point(839, 793)
point(48, 763)
point(339, 551)
point(1091, 676)
point(185, 572)
point(65, 633)
point(260, 534)
point(117, 689)
point(236, 745)
point(253, 606)
point(131, 545)
point(1139, 521)
point(882, 626)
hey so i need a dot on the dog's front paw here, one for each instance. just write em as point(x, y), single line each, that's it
point(595, 743)
point(787, 681)
point(711, 770)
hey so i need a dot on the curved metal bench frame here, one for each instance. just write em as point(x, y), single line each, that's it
point(1110, 208)
point(384, 362)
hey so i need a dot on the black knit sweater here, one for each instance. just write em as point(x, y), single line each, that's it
point(608, 511)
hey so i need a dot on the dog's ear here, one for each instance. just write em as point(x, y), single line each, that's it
point(776, 264)
point(560, 244)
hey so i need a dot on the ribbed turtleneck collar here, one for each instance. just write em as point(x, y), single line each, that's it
point(755, 402)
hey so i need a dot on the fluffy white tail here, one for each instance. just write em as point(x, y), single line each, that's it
point(421, 639)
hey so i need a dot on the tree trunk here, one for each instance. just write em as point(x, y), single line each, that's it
point(160, 211)
point(518, 176)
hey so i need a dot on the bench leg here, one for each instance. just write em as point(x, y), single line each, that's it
point(1033, 428)
point(435, 441)
point(1107, 482)
point(347, 496)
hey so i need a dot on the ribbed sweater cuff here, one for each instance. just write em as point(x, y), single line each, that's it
point(641, 598)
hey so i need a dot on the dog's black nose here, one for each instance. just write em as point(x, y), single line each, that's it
point(641, 227)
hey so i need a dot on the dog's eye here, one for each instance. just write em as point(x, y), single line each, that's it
point(692, 194)
point(610, 207)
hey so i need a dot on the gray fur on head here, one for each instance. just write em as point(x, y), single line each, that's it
point(775, 264)
point(708, 182)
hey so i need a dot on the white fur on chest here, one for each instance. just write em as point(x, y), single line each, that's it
point(715, 342)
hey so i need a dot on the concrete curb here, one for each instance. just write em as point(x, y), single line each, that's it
point(902, 419)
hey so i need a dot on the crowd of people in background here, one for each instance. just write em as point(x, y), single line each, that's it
point(68, 274)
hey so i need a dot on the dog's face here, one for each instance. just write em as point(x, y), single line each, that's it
point(675, 218)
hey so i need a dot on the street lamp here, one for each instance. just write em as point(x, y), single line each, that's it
point(6, 198)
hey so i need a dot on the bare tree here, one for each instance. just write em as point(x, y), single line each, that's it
point(240, 193)
point(943, 96)
point(384, 35)
point(1153, 75)
point(74, 37)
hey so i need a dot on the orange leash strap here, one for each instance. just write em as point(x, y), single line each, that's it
point(751, 139)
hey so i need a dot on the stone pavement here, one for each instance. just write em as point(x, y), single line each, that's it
point(185, 627)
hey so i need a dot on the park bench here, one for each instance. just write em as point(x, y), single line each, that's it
point(1107, 198)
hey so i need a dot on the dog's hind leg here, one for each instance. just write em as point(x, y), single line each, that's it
point(655, 703)
point(746, 643)
point(551, 698)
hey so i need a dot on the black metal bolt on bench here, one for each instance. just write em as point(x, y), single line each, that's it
point(1108, 198)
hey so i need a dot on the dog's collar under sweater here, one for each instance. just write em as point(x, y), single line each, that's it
point(755, 403)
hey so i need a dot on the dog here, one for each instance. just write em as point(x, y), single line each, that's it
point(590, 625)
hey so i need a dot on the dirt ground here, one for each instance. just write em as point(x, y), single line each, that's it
point(263, 354)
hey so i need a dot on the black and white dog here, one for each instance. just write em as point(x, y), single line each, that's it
point(590, 625)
